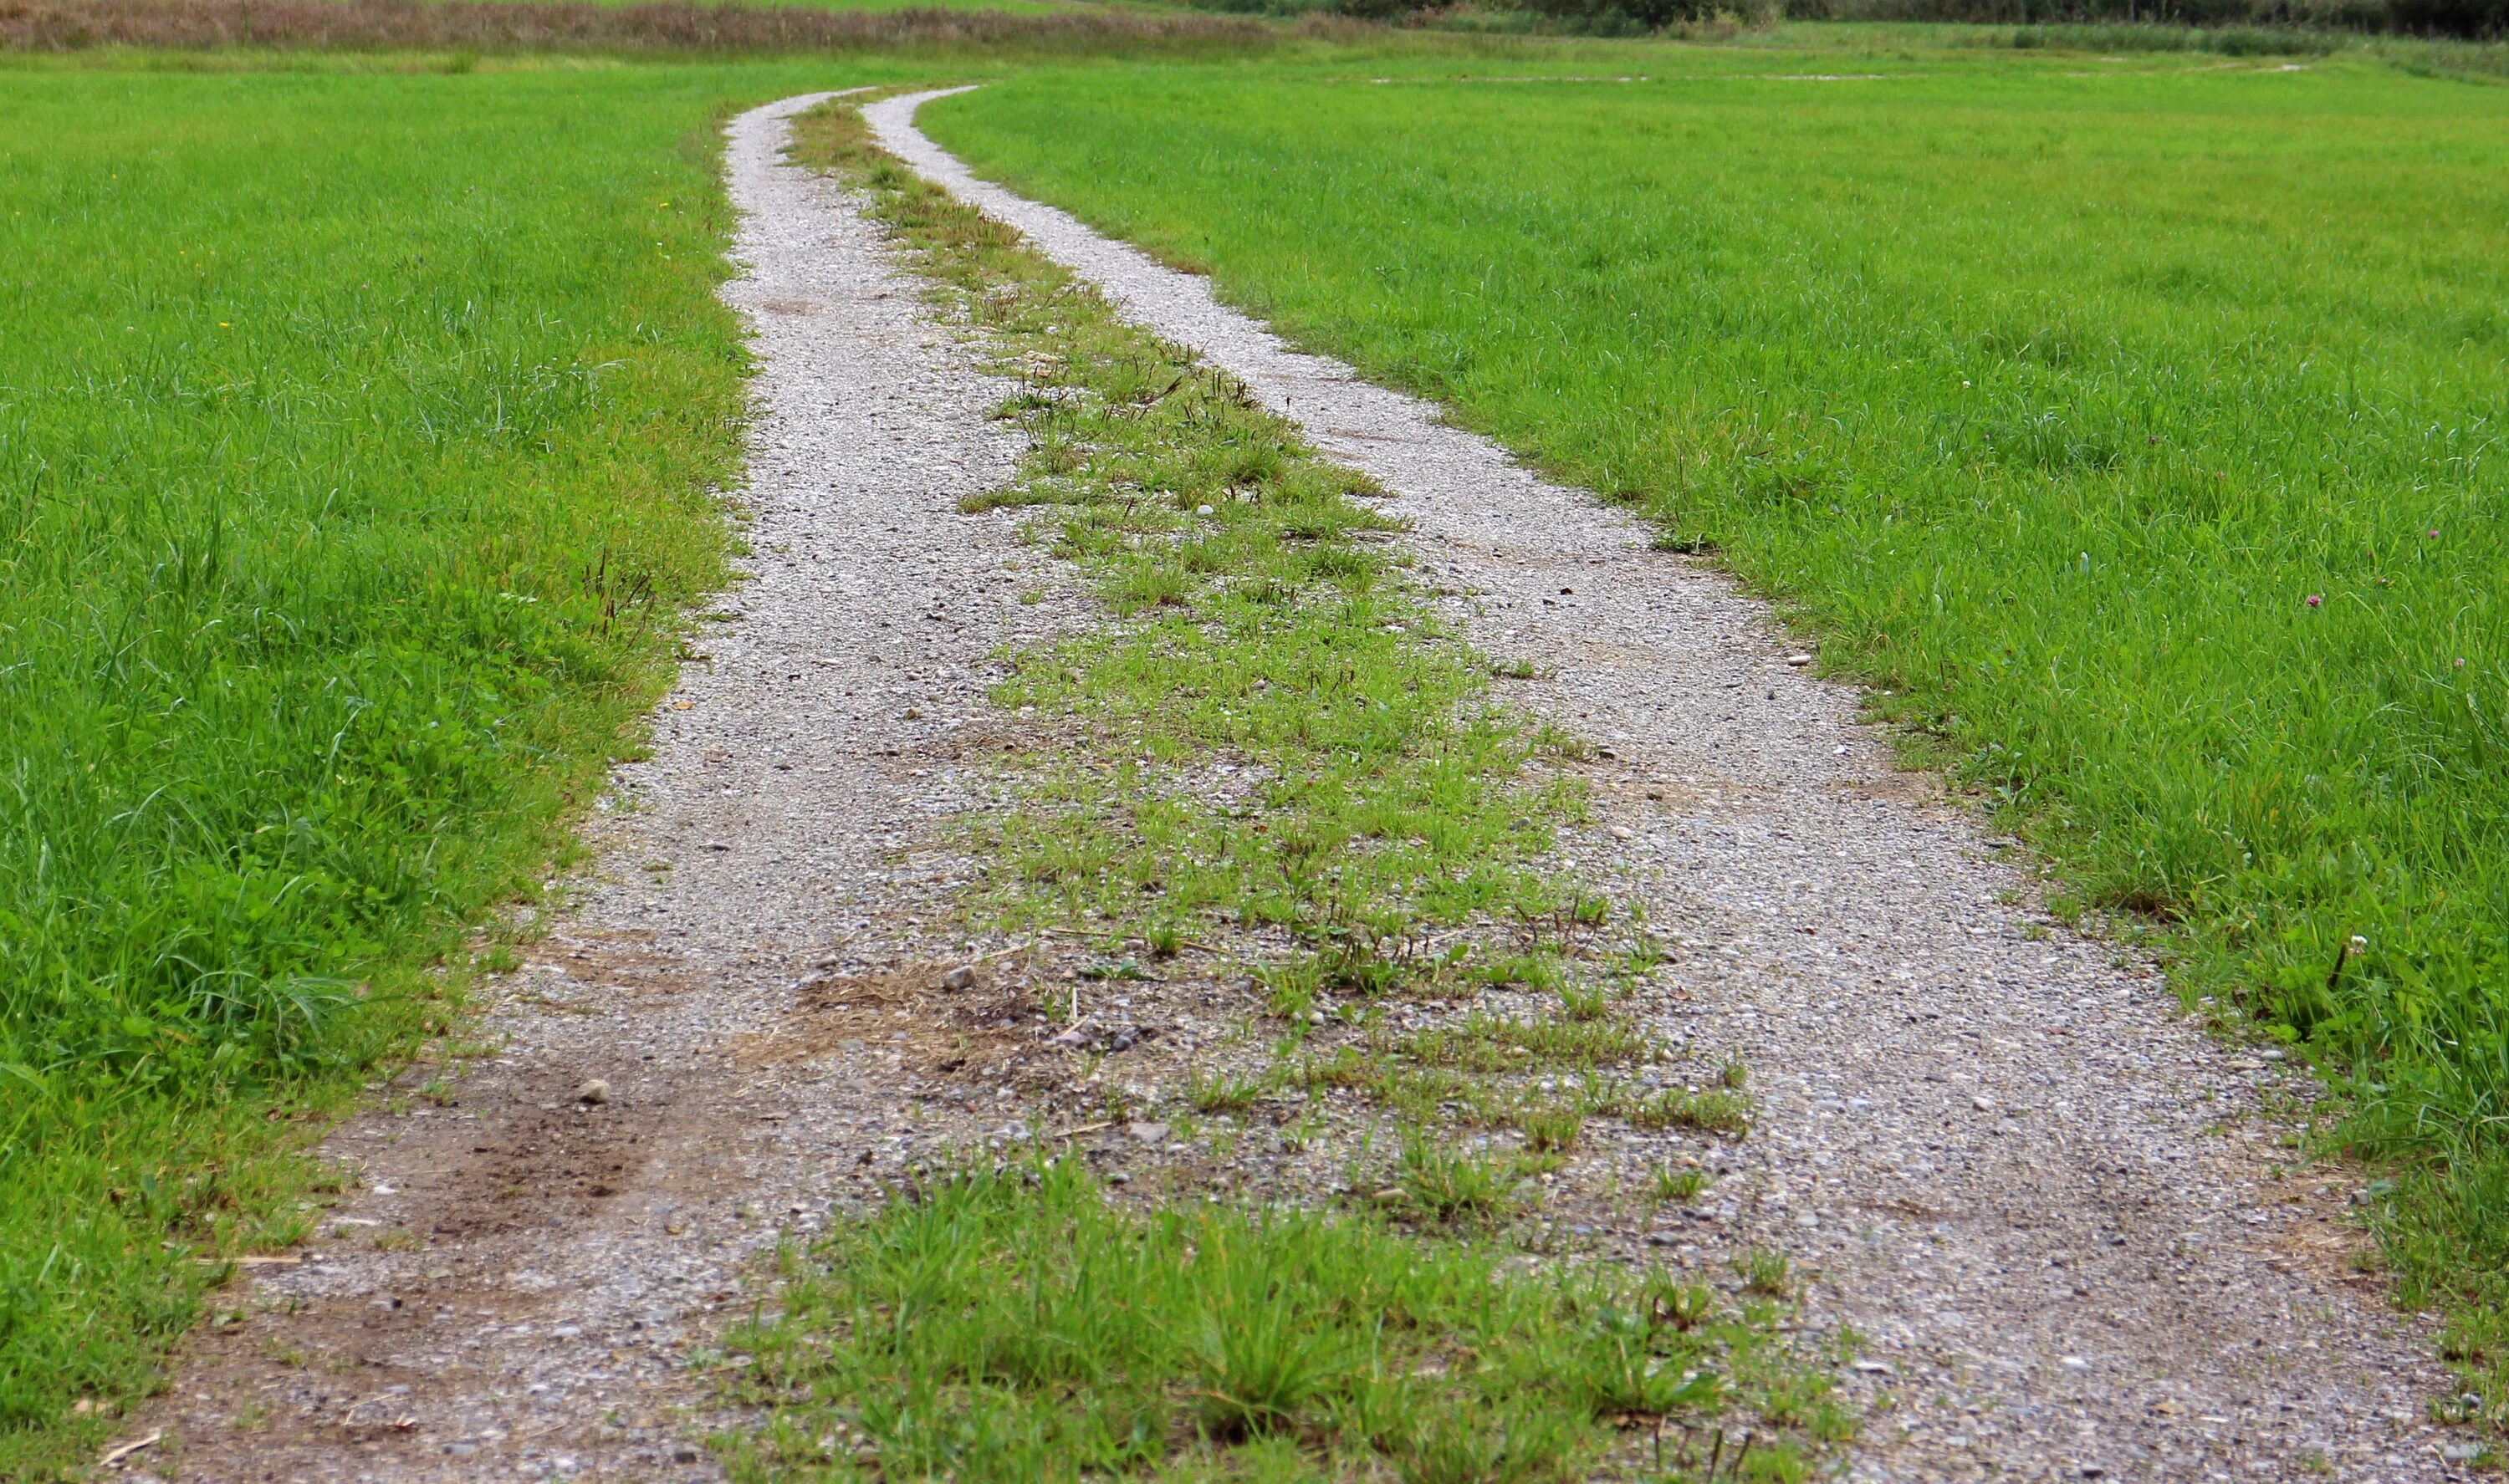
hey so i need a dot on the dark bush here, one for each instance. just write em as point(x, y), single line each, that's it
point(2451, 18)
point(1620, 17)
point(2253, 27)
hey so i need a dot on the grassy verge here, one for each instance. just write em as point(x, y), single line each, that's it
point(355, 457)
point(2113, 428)
point(1272, 745)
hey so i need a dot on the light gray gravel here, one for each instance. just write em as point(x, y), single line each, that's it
point(2052, 1203)
point(514, 1289)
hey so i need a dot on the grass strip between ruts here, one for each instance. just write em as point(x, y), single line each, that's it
point(1012, 1327)
point(1272, 740)
point(1275, 734)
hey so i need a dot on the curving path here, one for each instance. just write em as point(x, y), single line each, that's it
point(515, 1288)
point(2050, 1204)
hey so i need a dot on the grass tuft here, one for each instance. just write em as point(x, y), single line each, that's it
point(1013, 1325)
point(1451, 1185)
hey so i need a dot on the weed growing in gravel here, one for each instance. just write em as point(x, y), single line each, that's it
point(1451, 1185)
point(1713, 1112)
point(1222, 1093)
point(1012, 1327)
point(1550, 1129)
point(1764, 1271)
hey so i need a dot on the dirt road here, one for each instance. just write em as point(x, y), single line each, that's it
point(2052, 1205)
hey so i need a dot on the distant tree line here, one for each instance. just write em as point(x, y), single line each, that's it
point(2219, 26)
point(2471, 19)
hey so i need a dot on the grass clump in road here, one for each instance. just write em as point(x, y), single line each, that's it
point(2135, 436)
point(1014, 1326)
point(356, 453)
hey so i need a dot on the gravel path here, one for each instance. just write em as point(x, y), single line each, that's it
point(2055, 1207)
point(514, 1289)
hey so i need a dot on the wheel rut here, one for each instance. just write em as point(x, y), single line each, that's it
point(517, 1280)
point(2057, 1209)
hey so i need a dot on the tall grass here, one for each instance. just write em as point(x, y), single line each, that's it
point(357, 443)
point(2137, 436)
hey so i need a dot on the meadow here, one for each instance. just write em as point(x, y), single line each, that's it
point(359, 435)
point(2128, 424)
point(2131, 425)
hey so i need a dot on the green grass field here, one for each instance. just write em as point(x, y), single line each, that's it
point(357, 437)
point(2132, 425)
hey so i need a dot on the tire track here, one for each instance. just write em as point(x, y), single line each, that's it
point(2055, 1208)
point(516, 1284)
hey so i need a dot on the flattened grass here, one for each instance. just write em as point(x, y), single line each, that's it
point(2133, 429)
point(357, 443)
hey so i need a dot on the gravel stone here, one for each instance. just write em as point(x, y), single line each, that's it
point(1954, 1089)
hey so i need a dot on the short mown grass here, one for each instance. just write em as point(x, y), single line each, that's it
point(357, 451)
point(2133, 430)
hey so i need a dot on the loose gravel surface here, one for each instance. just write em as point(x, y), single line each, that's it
point(515, 1285)
point(2058, 1211)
